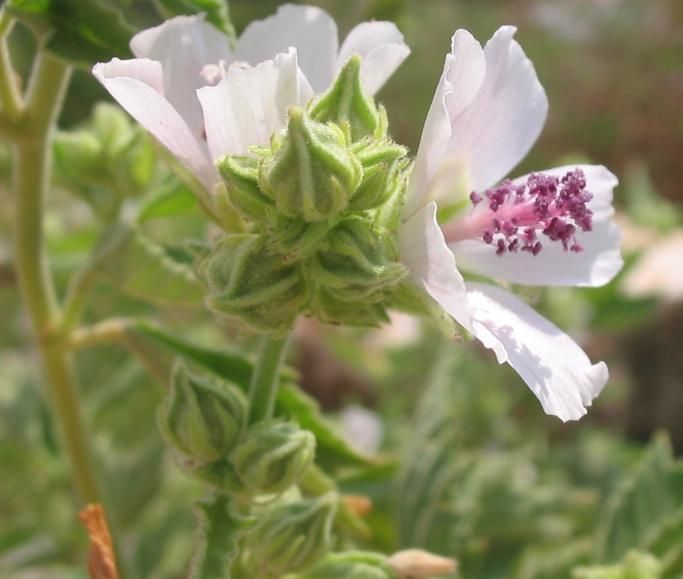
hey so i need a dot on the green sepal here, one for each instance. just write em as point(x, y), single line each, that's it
point(296, 239)
point(202, 418)
point(384, 163)
point(313, 173)
point(220, 475)
point(360, 263)
point(290, 537)
point(351, 565)
point(345, 103)
point(273, 456)
point(240, 176)
point(251, 287)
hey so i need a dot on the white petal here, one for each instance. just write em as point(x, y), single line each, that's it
point(381, 46)
point(494, 133)
point(137, 86)
point(463, 72)
point(308, 29)
point(554, 367)
point(250, 104)
point(431, 264)
point(183, 45)
point(596, 265)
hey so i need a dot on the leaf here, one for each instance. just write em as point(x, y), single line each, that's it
point(332, 449)
point(666, 542)
point(217, 535)
point(169, 201)
point(81, 31)
point(142, 268)
point(216, 12)
point(645, 499)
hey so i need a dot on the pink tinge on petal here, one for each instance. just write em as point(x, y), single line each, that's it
point(137, 85)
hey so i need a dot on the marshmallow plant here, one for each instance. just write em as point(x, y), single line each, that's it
point(321, 214)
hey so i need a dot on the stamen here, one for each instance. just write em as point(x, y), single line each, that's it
point(514, 215)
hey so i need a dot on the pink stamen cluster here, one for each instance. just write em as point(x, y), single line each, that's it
point(553, 206)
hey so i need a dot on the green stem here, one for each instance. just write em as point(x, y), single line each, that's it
point(32, 167)
point(10, 99)
point(266, 378)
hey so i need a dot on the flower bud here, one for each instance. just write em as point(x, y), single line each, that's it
point(240, 176)
point(384, 173)
point(351, 565)
point(252, 287)
point(273, 456)
point(220, 475)
point(360, 264)
point(290, 537)
point(419, 564)
point(313, 173)
point(201, 418)
point(345, 103)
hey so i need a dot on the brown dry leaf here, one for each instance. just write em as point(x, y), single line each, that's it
point(101, 559)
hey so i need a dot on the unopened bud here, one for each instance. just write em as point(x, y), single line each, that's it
point(351, 565)
point(240, 177)
point(346, 103)
point(220, 475)
point(251, 287)
point(313, 173)
point(202, 418)
point(360, 264)
point(384, 174)
point(418, 564)
point(273, 456)
point(291, 537)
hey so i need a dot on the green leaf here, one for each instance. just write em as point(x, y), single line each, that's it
point(217, 535)
point(332, 449)
point(216, 12)
point(81, 31)
point(142, 268)
point(666, 542)
point(644, 501)
point(171, 200)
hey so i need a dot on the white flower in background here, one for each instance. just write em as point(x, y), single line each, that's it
point(244, 92)
point(549, 228)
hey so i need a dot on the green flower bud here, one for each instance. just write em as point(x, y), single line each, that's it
point(345, 103)
point(360, 264)
point(252, 287)
point(240, 176)
point(290, 537)
point(384, 173)
point(273, 456)
point(351, 565)
point(313, 173)
point(202, 418)
point(328, 308)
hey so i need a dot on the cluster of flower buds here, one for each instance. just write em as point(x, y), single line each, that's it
point(321, 206)
point(204, 421)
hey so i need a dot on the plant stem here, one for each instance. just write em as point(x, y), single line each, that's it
point(10, 99)
point(32, 167)
point(266, 378)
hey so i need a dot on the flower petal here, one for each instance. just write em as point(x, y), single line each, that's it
point(382, 48)
point(137, 86)
point(431, 264)
point(494, 133)
point(250, 104)
point(596, 265)
point(554, 367)
point(463, 72)
point(310, 30)
point(183, 45)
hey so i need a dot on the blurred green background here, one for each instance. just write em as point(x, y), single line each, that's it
point(474, 469)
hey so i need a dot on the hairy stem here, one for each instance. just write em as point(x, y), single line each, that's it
point(266, 378)
point(32, 166)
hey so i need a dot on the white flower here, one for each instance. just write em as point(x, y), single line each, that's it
point(278, 62)
point(551, 228)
